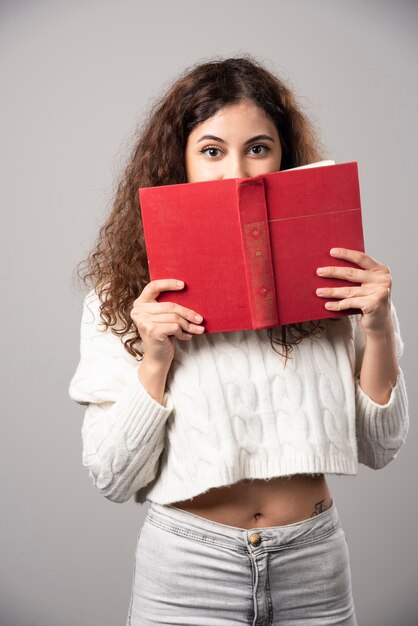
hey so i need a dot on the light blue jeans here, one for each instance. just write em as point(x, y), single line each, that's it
point(190, 570)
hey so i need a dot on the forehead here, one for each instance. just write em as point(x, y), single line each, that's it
point(233, 118)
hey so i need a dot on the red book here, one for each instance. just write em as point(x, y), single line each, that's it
point(247, 249)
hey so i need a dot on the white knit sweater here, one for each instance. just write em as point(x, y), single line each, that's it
point(231, 411)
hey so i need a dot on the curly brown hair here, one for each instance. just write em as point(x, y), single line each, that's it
point(117, 267)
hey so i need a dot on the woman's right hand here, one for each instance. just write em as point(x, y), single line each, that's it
point(158, 323)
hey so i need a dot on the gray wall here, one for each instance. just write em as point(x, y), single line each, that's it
point(77, 76)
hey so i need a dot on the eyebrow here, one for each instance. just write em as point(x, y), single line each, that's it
point(255, 138)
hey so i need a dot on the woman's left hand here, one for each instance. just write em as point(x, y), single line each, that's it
point(372, 296)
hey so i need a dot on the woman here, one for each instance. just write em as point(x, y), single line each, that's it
point(228, 438)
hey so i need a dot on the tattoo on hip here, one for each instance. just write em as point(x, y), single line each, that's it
point(320, 507)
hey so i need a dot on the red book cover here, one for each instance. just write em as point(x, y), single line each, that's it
point(247, 249)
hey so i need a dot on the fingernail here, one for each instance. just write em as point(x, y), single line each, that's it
point(320, 270)
point(180, 283)
point(320, 292)
point(198, 318)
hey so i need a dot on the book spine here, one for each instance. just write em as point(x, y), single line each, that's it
point(252, 211)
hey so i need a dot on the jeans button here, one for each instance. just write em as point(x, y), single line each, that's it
point(255, 539)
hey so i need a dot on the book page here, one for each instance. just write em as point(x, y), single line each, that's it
point(317, 164)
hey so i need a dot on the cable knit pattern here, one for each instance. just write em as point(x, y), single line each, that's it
point(231, 411)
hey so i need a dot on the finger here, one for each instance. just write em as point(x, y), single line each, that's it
point(155, 287)
point(356, 275)
point(185, 336)
point(365, 303)
point(154, 326)
point(344, 292)
point(346, 273)
point(180, 334)
point(173, 318)
point(362, 259)
point(172, 307)
point(162, 331)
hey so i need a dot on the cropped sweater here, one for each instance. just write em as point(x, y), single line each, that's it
point(231, 411)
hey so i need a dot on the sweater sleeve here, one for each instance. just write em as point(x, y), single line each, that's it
point(123, 430)
point(381, 429)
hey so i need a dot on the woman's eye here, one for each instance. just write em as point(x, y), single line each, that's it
point(260, 145)
point(210, 150)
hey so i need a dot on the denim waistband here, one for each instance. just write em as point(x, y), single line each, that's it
point(305, 531)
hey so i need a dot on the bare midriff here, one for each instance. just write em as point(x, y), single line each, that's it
point(258, 503)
